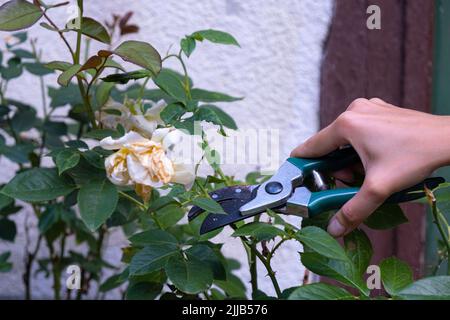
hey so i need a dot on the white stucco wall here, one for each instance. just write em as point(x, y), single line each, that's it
point(276, 69)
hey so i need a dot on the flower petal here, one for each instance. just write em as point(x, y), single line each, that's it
point(113, 144)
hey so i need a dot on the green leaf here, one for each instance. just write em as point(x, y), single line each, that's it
point(225, 119)
point(123, 78)
point(359, 250)
point(339, 270)
point(100, 134)
point(55, 128)
point(189, 275)
point(102, 93)
point(38, 184)
point(141, 54)
point(207, 115)
point(433, 288)
point(110, 63)
point(5, 266)
point(143, 291)
point(211, 96)
point(65, 77)
point(395, 275)
point(24, 54)
point(152, 258)
point(111, 283)
point(215, 36)
point(93, 29)
point(172, 113)
point(153, 237)
point(58, 65)
point(208, 205)
point(386, 217)
point(233, 286)
point(169, 215)
point(172, 84)
point(259, 230)
point(48, 26)
point(207, 255)
point(24, 119)
point(187, 45)
point(67, 159)
point(321, 242)
point(5, 201)
point(320, 291)
point(18, 14)
point(65, 95)
point(13, 70)
point(7, 229)
point(77, 144)
point(97, 201)
point(38, 69)
point(18, 153)
point(50, 217)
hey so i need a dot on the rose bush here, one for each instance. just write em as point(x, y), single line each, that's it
point(119, 162)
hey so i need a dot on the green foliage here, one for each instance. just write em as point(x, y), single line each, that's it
point(141, 54)
point(321, 242)
point(395, 275)
point(97, 201)
point(18, 14)
point(5, 266)
point(7, 229)
point(433, 288)
point(320, 291)
point(188, 274)
point(259, 230)
point(386, 217)
point(208, 205)
point(38, 184)
point(95, 30)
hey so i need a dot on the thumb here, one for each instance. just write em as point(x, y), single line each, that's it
point(357, 209)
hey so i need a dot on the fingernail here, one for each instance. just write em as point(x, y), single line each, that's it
point(335, 228)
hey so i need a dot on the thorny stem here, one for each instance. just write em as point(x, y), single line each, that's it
point(438, 220)
point(253, 268)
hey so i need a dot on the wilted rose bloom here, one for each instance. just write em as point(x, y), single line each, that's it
point(148, 163)
point(131, 116)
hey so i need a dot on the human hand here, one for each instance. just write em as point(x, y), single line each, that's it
point(398, 148)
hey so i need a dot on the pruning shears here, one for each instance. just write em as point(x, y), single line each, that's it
point(287, 193)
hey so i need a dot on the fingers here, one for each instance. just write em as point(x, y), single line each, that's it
point(356, 210)
point(322, 143)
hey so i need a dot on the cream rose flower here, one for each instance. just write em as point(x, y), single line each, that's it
point(149, 162)
point(131, 116)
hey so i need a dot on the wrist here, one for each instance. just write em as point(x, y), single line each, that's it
point(440, 142)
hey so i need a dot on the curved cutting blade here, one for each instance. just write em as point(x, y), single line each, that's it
point(224, 194)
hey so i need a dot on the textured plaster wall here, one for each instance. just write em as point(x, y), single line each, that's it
point(276, 69)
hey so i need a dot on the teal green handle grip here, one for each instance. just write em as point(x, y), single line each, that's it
point(335, 160)
point(329, 200)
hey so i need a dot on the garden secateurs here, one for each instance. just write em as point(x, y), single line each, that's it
point(286, 193)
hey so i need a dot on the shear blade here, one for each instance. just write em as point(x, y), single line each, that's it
point(224, 194)
point(216, 221)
